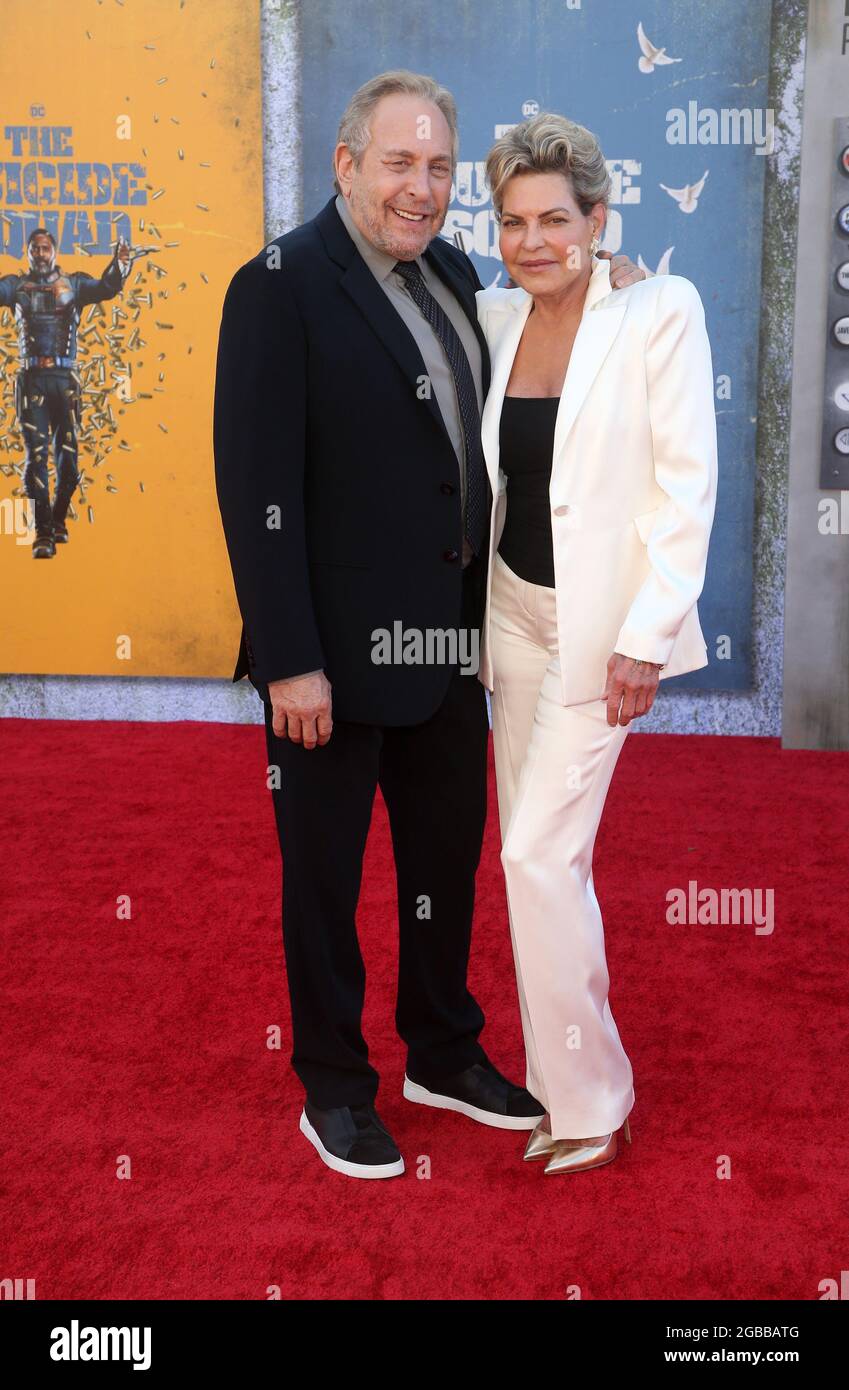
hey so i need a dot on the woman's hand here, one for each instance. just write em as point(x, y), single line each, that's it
point(631, 683)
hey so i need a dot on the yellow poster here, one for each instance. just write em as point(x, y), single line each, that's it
point(130, 191)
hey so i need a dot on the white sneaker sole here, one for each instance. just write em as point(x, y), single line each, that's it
point(341, 1165)
point(421, 1096)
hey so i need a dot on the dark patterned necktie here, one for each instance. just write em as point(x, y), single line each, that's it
point(476, 480)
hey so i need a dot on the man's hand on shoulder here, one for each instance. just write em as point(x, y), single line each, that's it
point(302, 708)
point(622, 270)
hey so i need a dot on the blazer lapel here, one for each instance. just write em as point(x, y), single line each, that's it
point(600, 322)
point(502, 353)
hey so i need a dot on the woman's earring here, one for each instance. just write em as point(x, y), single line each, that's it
point(594, 245)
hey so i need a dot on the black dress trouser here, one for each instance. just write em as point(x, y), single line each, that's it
point(433, 780)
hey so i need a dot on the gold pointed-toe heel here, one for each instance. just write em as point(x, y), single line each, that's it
point(574, 1155)
point(541, 1144)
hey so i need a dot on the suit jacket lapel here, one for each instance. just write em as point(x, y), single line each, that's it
point(358, 282)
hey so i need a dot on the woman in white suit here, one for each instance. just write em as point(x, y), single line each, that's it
point(599, 435)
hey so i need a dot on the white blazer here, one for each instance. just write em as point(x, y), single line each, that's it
point(633, 477)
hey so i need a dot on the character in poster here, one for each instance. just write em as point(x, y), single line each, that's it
point(46, 303)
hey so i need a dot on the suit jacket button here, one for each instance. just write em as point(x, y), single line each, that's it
point(450, 555)
point(447, 489)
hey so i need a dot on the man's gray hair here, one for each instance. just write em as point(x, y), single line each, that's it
point(354, 125)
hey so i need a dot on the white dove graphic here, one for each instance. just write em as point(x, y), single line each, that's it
point(687, 198)
point(662, 265)
point(652, 56)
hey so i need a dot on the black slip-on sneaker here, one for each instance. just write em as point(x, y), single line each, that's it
point(481, 1093)
point(352, 1140)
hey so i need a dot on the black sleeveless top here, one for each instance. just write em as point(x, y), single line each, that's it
point(526, 442)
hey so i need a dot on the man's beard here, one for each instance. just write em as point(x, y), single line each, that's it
point(382, 238)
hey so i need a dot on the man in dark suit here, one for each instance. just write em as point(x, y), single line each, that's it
point(350, 379)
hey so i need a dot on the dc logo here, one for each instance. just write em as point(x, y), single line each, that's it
point(530, 108)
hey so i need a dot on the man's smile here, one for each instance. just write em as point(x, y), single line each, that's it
point(407, 216)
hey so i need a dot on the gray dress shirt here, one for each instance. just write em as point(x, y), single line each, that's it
point(437, 366)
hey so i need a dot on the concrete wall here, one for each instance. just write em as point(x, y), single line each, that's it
point(816, 657)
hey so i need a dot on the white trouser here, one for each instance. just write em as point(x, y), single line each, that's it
point(553, 766)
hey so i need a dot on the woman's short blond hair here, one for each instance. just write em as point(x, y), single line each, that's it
point(354, 126)
point(550, 144)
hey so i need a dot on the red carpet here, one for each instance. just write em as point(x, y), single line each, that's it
point(147, 1038)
